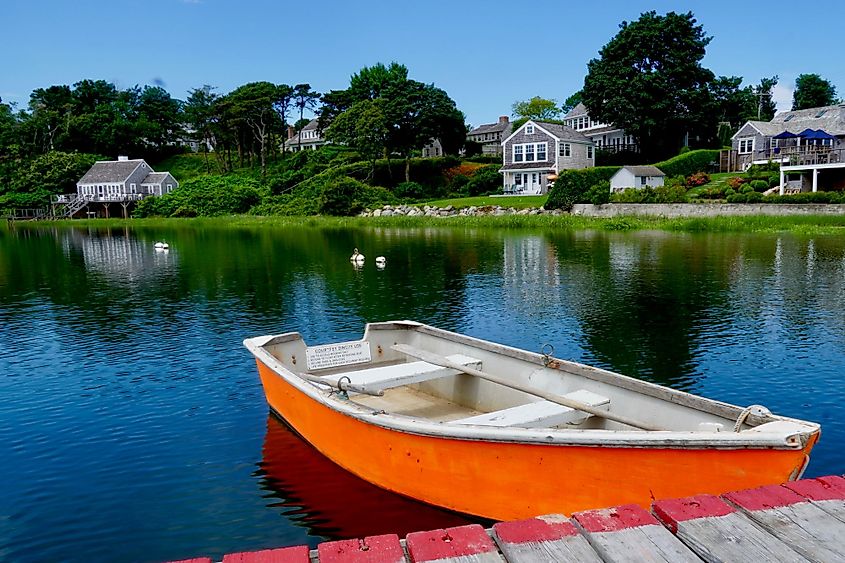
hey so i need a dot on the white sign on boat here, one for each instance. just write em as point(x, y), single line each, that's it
point(333, 355)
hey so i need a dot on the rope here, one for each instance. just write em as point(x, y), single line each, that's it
point(758, 410)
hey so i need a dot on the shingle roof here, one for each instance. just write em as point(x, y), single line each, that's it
point(312, 125)
point(155, 178)
point(644, 170)
point(490, 128)
point(831, 119)
point(110, 171)
point(577, 111)
point(563, 132)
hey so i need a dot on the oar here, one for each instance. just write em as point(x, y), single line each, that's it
point(342, 385)
point(439, 360)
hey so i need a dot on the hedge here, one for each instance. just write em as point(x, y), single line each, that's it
point(689, 163)
point(204, 196)
point(571, 186)
point(810, 197)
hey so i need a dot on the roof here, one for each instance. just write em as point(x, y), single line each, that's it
point(312, 125)
point(491, 128)
point(563, 132)
point(577, 111)
point(155, 178)
point(528, 166)
point(831, 119)
point(109, 171)
point(643, 170)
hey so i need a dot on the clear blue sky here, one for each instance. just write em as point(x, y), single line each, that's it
point(486, 55)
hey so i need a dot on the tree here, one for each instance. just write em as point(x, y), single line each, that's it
point(764, 92)
point(363, 127)
point(304, 98)
point(649, 81)
point(536, 108)
point(253, 105)
point(812, 91)
point(158, 117)
point(199, 114)
point(571, 102)
point(282, 105)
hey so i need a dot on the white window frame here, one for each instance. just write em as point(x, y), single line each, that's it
point(746, 145)
point(529, 129)
point(774, 144)
point(589, 151)
point(518, 155)
point(545, 147)
point(565, 150)
point(533, 152)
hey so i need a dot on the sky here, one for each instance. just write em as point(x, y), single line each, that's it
point(485, 54)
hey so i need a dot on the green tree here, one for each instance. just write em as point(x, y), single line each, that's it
point(363, 127)
point(304, 98)
point(764, 92)
point(812, 91)
point(199, 114)
point(571, 102)
point(159, 117)
point(253, 106)
point(282, 104)
point(649, 80)
point(46, 175)
point(536, 108)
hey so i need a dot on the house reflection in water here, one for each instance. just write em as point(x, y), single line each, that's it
point(333, 503)
point(119, 256)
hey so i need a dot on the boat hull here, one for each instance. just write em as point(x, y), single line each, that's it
point(503, 480)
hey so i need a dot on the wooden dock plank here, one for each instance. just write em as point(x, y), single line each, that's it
point(717, 532)
point(372, 549)
point(629, 533)
point(297, 554)
point(542, 539)
point(805, 527)
point(463, 544)
point(828, 493)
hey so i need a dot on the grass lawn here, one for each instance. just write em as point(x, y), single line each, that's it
point(718, 180)
point(516, 201)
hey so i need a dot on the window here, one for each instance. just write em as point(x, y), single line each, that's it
point(169, 187)
point(541, 151)
point(589, 151)
point(529, 129)
point(517, 153)
point(565, 149)
point(643, 180)
point(746, 145)
point(789, 117)
point(774, 143)
point(529, 152)
point(821, 113)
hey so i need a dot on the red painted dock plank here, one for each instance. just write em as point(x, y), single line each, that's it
point(297, 554)
point(372, 549)
point(194, 560)
point(463, 543)
point(823, 488)
point(546, 538)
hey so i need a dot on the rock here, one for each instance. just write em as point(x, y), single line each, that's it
point(377, 213)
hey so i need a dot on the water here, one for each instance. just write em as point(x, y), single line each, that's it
point(133, 426)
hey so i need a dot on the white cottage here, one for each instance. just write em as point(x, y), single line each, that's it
point(123, 180)
point(636, 177)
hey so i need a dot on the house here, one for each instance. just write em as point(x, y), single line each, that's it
point(540, 149)
point(312, 137)
point(636, 177)
point(809, 144)
point(123, 180)
point(433, 148)
point(606, 137)
point(490, 136)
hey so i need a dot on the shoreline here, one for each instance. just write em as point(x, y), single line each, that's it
point(798, 224)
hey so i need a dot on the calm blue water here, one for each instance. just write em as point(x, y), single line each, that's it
point(132, 422)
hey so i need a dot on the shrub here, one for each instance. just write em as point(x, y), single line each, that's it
point(735, 182)
point(410, 190)
point(486, 180)
point(341, 196)
point(572, 186)
point(459, 184)
point(729, 192)
point(698, 179)
point(746, 188)
point(690, 162)
point(660, 194)
point(759, 185)
point(774, 180)
point(205, 196)
point(599, 194)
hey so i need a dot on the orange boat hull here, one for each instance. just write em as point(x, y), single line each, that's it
point(507, 481)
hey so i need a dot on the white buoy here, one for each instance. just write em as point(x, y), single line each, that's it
point(381, 260)
point(165, 246)
point(158, 245)
point(356, 257)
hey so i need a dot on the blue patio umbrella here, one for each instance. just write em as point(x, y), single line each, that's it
point(785, 135)
point(815, 134)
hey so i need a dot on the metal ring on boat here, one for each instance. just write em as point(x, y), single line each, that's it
point(547, 356)
point(340, 390)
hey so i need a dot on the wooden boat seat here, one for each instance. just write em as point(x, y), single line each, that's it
point(542, 414)
point(388, 377)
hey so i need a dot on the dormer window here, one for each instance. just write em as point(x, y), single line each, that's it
point(529, 129)
point(789, 117)
point(821, 113)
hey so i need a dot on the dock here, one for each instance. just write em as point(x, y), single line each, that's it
point(798, 521)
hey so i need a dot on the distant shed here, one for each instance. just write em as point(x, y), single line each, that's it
point(636, 177)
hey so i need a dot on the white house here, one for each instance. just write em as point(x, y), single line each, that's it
point(540, 149)
point(123, 180)
point(312, 137)
point(636, 177)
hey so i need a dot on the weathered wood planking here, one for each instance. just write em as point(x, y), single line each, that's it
point(541, 414)
point(372, 549)
point(464, 544)
point(828, 493)
point(387, 377)
point(717, 532)
point(543, 539)
point(298, 554)
point(630, 533)
point(805, 527)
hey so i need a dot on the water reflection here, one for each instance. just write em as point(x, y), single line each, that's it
point(332, 503)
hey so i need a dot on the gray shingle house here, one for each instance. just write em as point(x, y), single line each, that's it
point(636, 177)
point(123, 180)
point(606, 137)
point(540, 149)
point(312, 137)
point(490, 135)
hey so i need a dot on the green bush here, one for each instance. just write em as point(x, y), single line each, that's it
point(485, 181)
point(759, 185)
point(53, 173)
point(818, 197)
point(205, 196)
point(410, 190)
point(572, 186)
point(599, 194)
point(746, 188)
point(458, 185)
point(660, 194)
point(689, 163)
point(774, 180)
point(341, 197)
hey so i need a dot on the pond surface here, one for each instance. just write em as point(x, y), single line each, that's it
point(132, 422)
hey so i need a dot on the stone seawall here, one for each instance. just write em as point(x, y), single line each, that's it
point(686, 210)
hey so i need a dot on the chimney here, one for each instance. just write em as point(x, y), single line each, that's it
point(504, 119)
point(122, 158)
point(291, 131)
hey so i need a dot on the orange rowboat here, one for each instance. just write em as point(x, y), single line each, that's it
point(502, 433)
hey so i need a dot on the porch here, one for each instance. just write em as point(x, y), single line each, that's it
point(526, 181)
